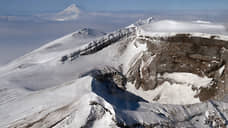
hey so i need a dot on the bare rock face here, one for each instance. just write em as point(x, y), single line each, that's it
point(109, 75)
point(144, 72)
point(182, 53)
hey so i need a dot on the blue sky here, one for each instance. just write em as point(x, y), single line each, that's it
point(40, 6)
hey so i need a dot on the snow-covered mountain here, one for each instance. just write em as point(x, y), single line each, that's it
point(70, 13)
point(149, 74)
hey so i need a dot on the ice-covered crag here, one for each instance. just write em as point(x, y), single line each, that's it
point(150, 74)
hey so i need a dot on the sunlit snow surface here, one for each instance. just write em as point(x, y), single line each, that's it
point(170, 26)
point(179, 93)
point(38, 86)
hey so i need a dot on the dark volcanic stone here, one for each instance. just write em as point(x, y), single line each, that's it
point(182, 53)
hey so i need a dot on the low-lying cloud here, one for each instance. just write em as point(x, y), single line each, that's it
point(21, 34)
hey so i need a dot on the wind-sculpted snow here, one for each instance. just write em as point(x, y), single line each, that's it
point(150, 74)
point(170, 26)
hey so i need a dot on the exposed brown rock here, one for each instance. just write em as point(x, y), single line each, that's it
point(183, 53)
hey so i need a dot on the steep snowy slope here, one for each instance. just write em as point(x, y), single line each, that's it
point(142, 75)
point(20, 77)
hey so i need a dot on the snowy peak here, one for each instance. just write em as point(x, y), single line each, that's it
point(70, 13)
point(88, 32)
point(143, 22)
point(72, 9)
point(122, 79)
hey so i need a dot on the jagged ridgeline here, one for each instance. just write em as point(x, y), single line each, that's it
point(149, 74)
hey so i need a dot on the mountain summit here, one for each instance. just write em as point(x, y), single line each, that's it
point(70, 13)
point(71, 8)
point(152, 74)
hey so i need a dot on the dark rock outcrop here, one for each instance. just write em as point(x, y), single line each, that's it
point(99, 44)
point(109, 75)
point(182, 53)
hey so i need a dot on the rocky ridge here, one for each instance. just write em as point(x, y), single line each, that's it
point(127, 78)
